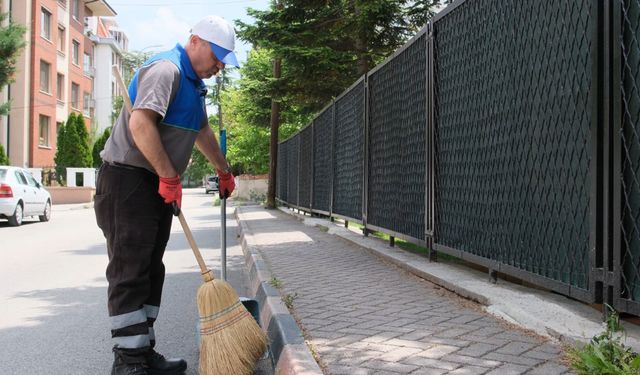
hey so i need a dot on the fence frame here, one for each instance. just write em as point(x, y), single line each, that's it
point(606, 250)
point(409, 43)
point(313, 122)
point(363, 80)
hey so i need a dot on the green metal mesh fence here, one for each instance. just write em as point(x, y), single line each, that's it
point(397, 133)
point(513, 105)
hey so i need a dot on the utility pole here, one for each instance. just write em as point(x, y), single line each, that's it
point(275, 125)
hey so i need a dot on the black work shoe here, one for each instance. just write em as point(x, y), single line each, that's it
point(129, 361)
point(157, 364)
point(128, 369)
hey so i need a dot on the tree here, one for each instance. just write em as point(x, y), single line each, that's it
point(325, 46)
point(199, 166)
point(247, 104)
point(98, 146)
point(82, 155)
point(63, 149)
point(4, 159)
point(11, 44)
point(131, 61)
point(328, 44)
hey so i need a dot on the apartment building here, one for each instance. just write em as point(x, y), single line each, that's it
point(109, 44)
point(54, 78)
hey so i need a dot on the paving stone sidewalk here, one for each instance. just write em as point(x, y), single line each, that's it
point(362, 315)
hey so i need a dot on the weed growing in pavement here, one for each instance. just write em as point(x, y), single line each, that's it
point(275, 282)
point(605, 353)
point(288, 299)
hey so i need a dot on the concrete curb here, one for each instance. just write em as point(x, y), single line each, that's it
point(290, 354)
point(548, 314)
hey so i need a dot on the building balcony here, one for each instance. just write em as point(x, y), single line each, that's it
point(100, 8)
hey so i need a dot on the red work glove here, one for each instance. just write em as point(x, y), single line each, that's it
point(170, 188)
point(226, 183)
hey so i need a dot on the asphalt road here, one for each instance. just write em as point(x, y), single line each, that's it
point(53, 309)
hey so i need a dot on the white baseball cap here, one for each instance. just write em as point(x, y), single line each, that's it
point(220, 35)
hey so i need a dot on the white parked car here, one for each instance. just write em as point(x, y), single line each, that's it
point(211, 184)
point(21, 196)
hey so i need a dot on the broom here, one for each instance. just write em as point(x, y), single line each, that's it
point(231, 341)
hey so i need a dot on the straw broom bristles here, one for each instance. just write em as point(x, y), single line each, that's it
point(231, 340)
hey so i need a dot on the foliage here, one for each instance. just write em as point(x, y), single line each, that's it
point(4, 159)
point(11, 44)
point(605, 353)
point(326, 45)
point(83, 157)
point(98, 146)
point(72, 146)
point(131, 61)
point(247, 107)
point(62, 149)
point(199, 165)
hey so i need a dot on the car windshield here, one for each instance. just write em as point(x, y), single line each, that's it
point(3, 174)
point(212, 179)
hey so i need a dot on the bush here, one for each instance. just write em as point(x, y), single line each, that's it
point(605, 353)
point(98, 146)
point(4, 159)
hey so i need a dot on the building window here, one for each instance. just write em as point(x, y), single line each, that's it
point(60, 87)
point(45, 68)
point(61, 38)
point(86, 104)
point(44, 130)
point(45, 24)
point(75, 95)
point(75, 53)
point(75, 9)
point(88, 64)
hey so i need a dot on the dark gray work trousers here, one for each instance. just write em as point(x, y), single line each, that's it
point(136, 223)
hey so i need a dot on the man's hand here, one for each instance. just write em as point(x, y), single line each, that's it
point(226, 183)
point(170, 188)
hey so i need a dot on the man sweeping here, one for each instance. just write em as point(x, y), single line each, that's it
point(140, 180)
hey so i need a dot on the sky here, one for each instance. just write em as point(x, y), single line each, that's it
point(156, 25)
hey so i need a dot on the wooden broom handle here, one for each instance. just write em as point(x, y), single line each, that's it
point(207, 275)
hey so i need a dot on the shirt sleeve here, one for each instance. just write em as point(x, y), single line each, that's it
point(157, 86)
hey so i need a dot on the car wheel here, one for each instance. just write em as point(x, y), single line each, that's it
point(46, 215)
point(16, 219)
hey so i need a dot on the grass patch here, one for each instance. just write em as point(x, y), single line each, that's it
point(405, 245)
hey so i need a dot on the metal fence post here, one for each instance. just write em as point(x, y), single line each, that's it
point(333, 155)
point(429, 175)
point(365, 159)
point(613, 260)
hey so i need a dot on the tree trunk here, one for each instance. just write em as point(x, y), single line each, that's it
point(360, 43)
point(273, 144)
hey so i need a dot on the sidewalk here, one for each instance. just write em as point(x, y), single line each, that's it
point(361, 314)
